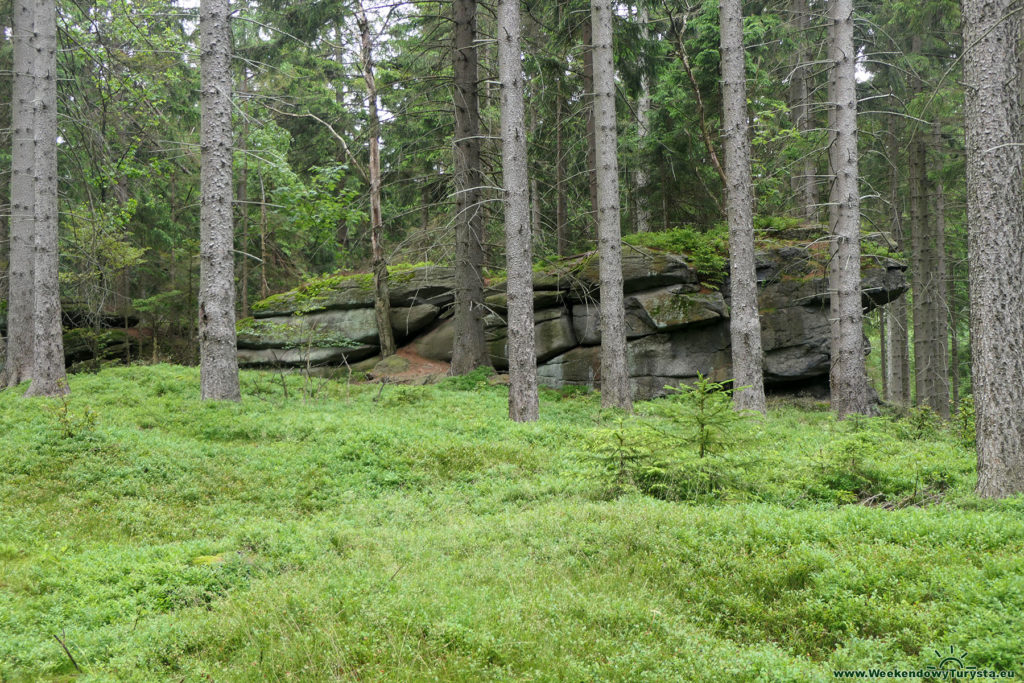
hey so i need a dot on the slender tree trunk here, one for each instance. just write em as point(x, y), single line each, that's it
point(522, 359)
point(897, 344)
point(744, 322)
point(615, 389)
point(938, 305)
point(803, 182)
point(995, 245)
point(588, 112)
point(20, 306)
point(264, 287)
point(848, 377)
point(243, 206)
point(217, 342)
point(954, 341)
point(5, 197)
point(48, 378)
point(643, 109)
point(561, 196)
point(381, 296)
point(883, 351)
point(918, 223)
point(470, 350)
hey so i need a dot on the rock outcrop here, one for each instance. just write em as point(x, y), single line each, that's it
point(677, 321)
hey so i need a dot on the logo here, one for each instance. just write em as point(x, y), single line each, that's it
point(951, 661)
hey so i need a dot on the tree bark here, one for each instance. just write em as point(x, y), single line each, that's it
point(643, 110)
point(995, 244)
point(897, 344)
point(243, 206)
point(21, 304)
point(615, 388)
point(804, 184)
point(218, 359)
point(48, 378)
point(522, 359)
point(381, 295)
point(470, 350)
point(561, 195)
point(588, 112)
point(744, 322)
point(848, 376)
point(938, 304)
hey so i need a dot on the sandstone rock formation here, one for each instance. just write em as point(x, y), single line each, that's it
point(677, 324)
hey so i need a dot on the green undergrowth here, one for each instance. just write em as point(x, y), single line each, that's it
point(414, 533)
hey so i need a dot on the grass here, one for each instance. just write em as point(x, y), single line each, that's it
point(413, 533)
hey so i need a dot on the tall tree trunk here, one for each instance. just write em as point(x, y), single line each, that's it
point(804, 182)
point(938, 305)
point(954, 341)
point(744, 322)
point(381, 295)
point(588, 112)
point(5, 197)
point(918, 223)
point(48, 378)
point(470, 350)
point(218, 358)
point(522, 358)
point(20, 306)
point(561, 195)
point(897, 344)
point(243, 206)
point(643, 110)
point(995, 244)
point(615, 389)
point(264, 287)
point(883, 351)
point(848, 376)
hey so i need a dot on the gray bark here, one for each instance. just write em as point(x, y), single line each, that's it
point(804, 182)
point(643, 110)
point(381, 297)
point(848, 376)
point(218, 362)
point(561, 199)
point(995, 239)
point(469, 351)
point(937, 304)
point(20, 305)
point(897, 342)
point(588, 112)
point(522, 396)
point(744, 322)
point(615, 389)
point(48, 378)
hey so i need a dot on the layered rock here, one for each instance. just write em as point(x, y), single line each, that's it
point(677, 325)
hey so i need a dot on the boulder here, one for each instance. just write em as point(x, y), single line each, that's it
point(434, 285)
point(331, 327)
point(553, 334)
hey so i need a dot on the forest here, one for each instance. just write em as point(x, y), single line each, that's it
point(513, 340)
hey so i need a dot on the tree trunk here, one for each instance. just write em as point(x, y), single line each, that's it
point(897, 344)
point(522, 359)
point(5, 198)
point(995, 245)
point(243, 206)
point(381, 295)
point(470, 350)
point(615, 389)
point(848, 376)
point(218, 359)
point(954, 342)
point(803, 183)
point(561, 196)
point(883, 351)
point(643, 109)
point(264, 287)
point(20, 306)
point(938, 305)
point(48, 378)
point(744, 322)
point(588, 112)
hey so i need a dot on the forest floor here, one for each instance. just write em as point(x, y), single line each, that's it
point(376, 532)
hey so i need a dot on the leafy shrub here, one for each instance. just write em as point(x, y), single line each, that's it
point(471, 381)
